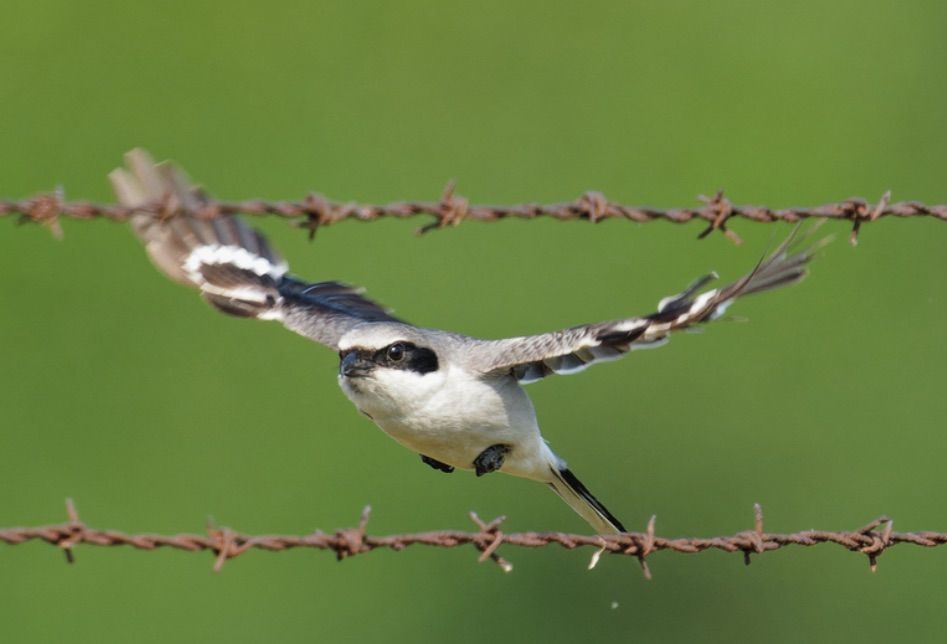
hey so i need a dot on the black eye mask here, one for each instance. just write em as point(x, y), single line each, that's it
point(407, 356)
point(398, 355)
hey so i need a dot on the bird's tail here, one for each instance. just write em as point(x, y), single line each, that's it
point(230, 262)
point(572, 491)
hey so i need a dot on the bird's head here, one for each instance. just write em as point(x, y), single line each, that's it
point(388, 365)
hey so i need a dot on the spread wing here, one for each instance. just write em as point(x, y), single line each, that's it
point(230, 263)
point(568, 351)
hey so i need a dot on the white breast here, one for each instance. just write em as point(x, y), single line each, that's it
point(449, 415)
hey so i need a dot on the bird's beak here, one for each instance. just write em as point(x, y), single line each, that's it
point(353, 365)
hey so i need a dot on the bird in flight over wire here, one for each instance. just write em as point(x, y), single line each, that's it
point(455, 400)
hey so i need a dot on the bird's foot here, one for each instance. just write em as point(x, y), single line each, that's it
point(437, 465)
point(491, 459)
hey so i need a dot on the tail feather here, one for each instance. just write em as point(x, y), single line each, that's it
point(573, 492)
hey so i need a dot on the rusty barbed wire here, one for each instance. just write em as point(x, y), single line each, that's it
point(317, 211)
point(871, 540)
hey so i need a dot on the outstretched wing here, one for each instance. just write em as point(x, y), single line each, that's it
point(230, 262)
point(532, 358)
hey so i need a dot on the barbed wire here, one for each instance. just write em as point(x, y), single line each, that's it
point(871, 540)
point(451, 209)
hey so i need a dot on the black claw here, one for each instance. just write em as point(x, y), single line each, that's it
point(491, 459)
point(437, 465)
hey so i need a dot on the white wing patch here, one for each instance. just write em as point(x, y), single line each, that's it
point(215, 254)
point(244, 293)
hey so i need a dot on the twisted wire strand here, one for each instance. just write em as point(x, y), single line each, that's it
point(871, 540)
point(316, 211)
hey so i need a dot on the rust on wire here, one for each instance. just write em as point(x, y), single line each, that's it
point(871, 540)
point(316, 211)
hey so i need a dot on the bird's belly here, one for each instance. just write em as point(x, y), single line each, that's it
point(448, 441)
point(455, 422)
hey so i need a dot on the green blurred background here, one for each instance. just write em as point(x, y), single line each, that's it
point(128, 393)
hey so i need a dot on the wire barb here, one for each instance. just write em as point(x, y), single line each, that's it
point(719, 210)
point(489, 539)
point(871, 540)
point(645, 548)
point(75, 528)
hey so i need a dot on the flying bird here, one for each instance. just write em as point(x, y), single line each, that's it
point(456, 401)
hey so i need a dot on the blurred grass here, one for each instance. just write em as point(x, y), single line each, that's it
point(127, 393)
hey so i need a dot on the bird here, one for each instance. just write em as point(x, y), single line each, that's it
point(457, 401)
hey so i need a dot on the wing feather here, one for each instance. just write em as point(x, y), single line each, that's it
point(572, 350)
point(231, 263)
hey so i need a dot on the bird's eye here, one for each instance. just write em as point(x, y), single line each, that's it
point(396, 352)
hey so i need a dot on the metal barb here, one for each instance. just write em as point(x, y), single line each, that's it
point(878, 543)
point(646, 547)
point(489, 539)
point(719, 209)
point(225, 538)
point(75, 530)
point(757, 537)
